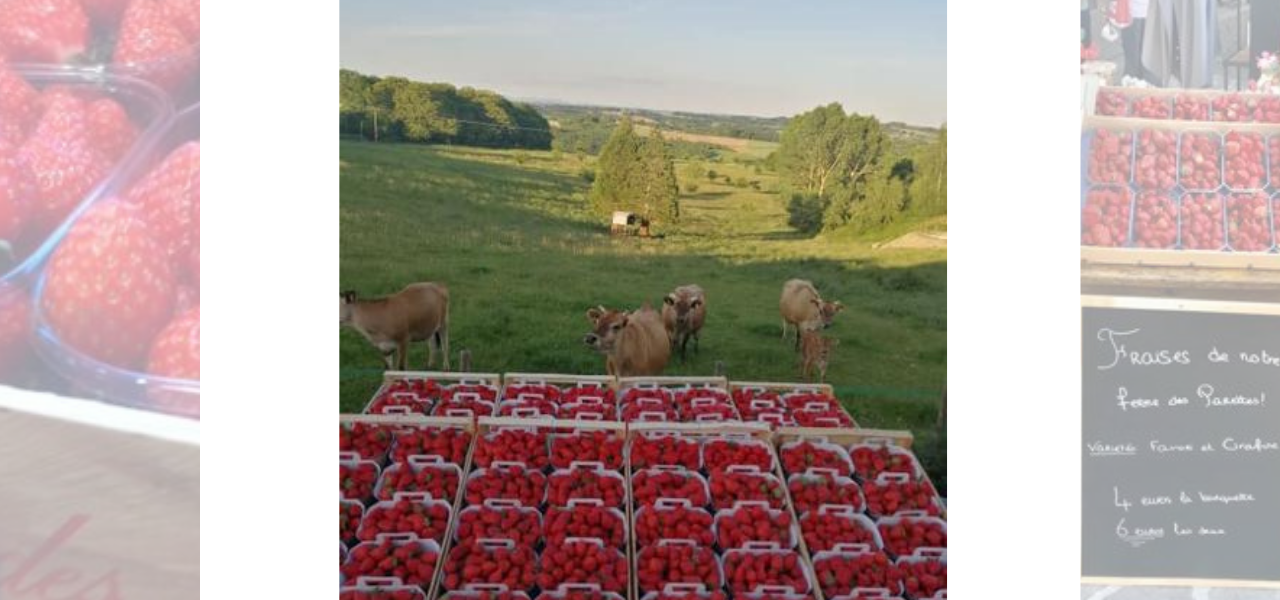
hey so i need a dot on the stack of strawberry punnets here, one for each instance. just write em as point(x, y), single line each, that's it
point(414, 396)
point(467, 400)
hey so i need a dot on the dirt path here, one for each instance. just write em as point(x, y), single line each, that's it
point(916, 239)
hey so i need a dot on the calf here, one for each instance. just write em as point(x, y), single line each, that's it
point(419, 312)
point(816, 351)
point(683, 312)
point(633, 344)
point(803, 307)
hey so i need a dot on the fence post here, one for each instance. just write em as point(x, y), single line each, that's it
point(464, 359)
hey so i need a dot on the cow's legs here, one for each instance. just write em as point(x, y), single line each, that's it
point(695, 342)
point(684, 344)
point(388, 352)
point(784, 330)
point(403, 350)
point(442, 338)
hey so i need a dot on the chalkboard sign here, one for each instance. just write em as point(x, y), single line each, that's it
point(1181, 447)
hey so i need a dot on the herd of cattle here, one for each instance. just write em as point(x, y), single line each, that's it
point(636, 343)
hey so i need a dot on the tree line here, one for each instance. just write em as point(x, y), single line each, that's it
point(398, 109)
point(636, 174)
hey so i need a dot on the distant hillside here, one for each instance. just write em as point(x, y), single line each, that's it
point(437, 113)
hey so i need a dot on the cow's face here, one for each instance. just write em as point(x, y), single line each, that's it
point(827, 311)
point(345, 303)
point(606, 326)
point(683, 306)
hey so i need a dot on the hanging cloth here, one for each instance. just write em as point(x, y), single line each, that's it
point(1197, 30)
point(1158, 41)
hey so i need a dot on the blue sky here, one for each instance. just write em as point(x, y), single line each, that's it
point(885, 57)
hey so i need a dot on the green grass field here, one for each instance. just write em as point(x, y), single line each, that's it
point(510, 234)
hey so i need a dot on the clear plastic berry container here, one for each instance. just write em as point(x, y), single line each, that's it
point(1155, 220)
point(94, 378)
point(1202, 221)
point(1155, 164)
point(485, 591)
point(586, 591)
point(1187, 107)
point(1273, 160)
point(1111, 156)
point(921, 556)
point(887, 528)
point(1151, 107)
point(379, 585)
point(1244, 165)
point(1200, 158)
point(774, 514)
point(1249, 222)
point(811, 521)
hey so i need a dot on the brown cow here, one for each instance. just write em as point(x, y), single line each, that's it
point(683, 312)
point(817, 351)
point(803, 307)
point(633, 343)
point(419, 312)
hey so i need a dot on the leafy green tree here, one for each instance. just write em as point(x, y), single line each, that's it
point(711, 175)
point(826, 153)
point(636, 174)
point(615, 180)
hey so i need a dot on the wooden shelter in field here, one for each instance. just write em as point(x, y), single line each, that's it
point(629, 223)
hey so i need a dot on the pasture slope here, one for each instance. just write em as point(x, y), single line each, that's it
point(510, 234)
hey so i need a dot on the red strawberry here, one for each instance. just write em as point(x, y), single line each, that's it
point(169, 196)
point(110, 129)
point(483, 393)
point(1190, 108)
point(1152, 107)
point(816, 487)
point(1248, 224)
point(43, 31)
point(449, 443)
point(511, 482)
point(651, 484)
point(902, 536)
point(497, 519)
point(1111, 104)
point(1268, 110)
point(649, 409)
point(1230, 107)
point(63, 159)
point(648, 451)
point(720, 453)
point(754, 522)
point(635, 394)
point(427, 519)
point(810, 401)
point(400, 593)
point(923, 578)
point(891, 494)
point(1246, 167)
point(356, 479)
point(19, 106)
point(676, 562)
point(108, 290)
point(349, 515)
point(152, 46)
point(370, 441)
point(482, 562)
point(438, 479)
point(870, 461)
point(185, 15)
point(525, 445)
point(804, 455)
point(712, 595)
point(686, 400)
point(704, 410)
point(1200, 157)
point(839, 574)
point(1274, 153)
point(566, 485)
point(549, 393)
point(830, 417)
point(586, 446)
point(750, 401)
point(176, 351)
point(411, 560)
point(586, 520)
point(415, 394)
point(587, 411)
point(677, 520)
point(746, 571)
point(823, 529)
point(1157, 167)
point(1155, 223)
point(530, 407)
point(1111, 156)
point(1201, 216)
point(589, 393)
point(17, 195)
point(733, 486)
point(582, 561)
point(1105, 219)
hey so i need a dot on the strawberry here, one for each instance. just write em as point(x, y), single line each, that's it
point(110, 129)
point(749, 401)
point(649, 409)
point(830, 417)
point(17, 195)
point(438, 479)
point(586, 446)
point(686, 400)
point(449, 443)
point(719, 454)
point(730, 487)
point(349, 515)
point(923, 578)
point(19, 106)
point(812, 489)
point(382, 593)
point(369, 441)
point(674, 521)
point(415, 394)
point(664, 563)
point(1152, 107)
point(499, 593)
point(43, 31)
point(1157, 163)
point(1190, 108)
point(530, 407)
point(526, 445)
point(754, 522)
point(902, 536)
point(1111, 156)
point(1273, 145)
point(589, 393)
point(1230, 107)
point(650, 485)
point(169, 196)
point(481, 562)
point(804, 455)
point(870, 461)
point(565, 485)
point(810, 401)
point(413, 561)
point(427, 519)
point(511, 482)
point(498, 520)
point(587, 410)
point(839, 574)
point(1200, 157)
point(1201, 217)
point(636, 394)
point(1246, 167)
point(584, 520)
point(1111, 104)
point(473, 400)
point(1105, 219)
point(822, 530)
point(582, 561)
point(548, 393)
point(1155, 222)
point(151, 45)
point(1268, 110)
point(484, 393)
point(108, 290)
point(648, 451)
point(356, 479)
point(62, 157)
point(185, 15)
point(705, 410)
point(176, 351)
point(887, 496)
point(745, 571)
point(1248, 224)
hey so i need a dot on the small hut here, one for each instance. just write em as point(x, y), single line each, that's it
point(629, 223)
